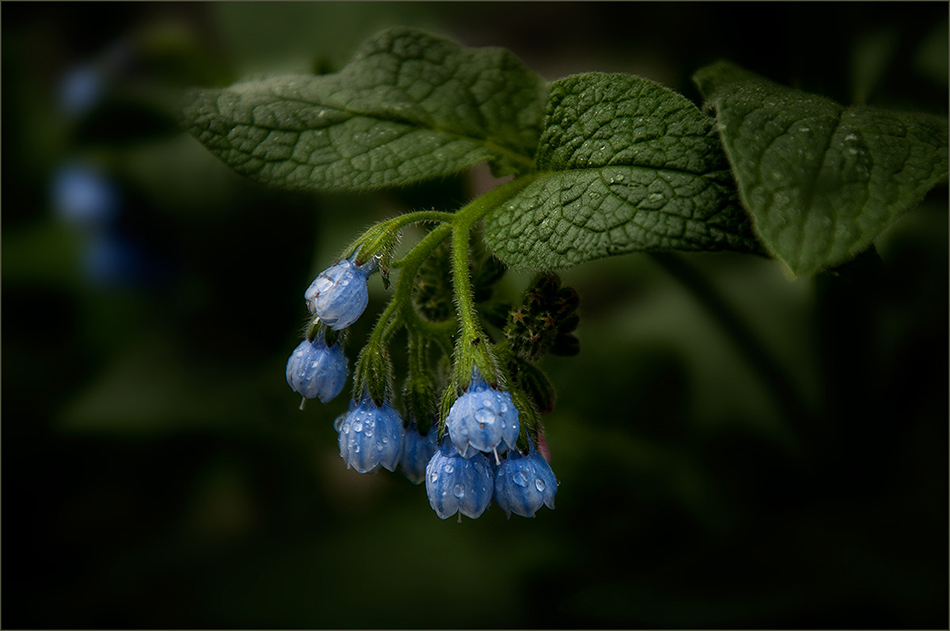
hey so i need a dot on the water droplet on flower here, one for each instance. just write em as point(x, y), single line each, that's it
point(504, 407)
point(520, 478)
point(459, 491)
point(484, 417)
point(356, 448)
point(346, 429)
point(449, 468)
point(487, 402)
point(433, 476)
point(539, 484)
point(357, 426)
point(369, 430)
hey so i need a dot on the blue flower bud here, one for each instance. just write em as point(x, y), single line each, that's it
point(338, 296)
point(483, 418)
point(524, 483)
point(417, 451)
point(457, 484)
point(371, 437)
point(317, 370)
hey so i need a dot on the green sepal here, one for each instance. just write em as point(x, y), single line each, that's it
point(534, 383)
point(373, 374)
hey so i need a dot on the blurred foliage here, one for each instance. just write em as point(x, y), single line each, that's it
point(157, 472)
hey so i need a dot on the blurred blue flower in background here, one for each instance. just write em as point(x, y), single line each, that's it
point(81, 88)
point(84, 196)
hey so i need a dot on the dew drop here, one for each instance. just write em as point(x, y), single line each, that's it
point(539, 484)
point(520, 478)
point(356, 448)
point(369, 430)
point(346, 428)
point(459, 491)
point(357, 426)
point(484, 417)
point(504, 407)
point(449, 468)
point(487, 402)
point(433, 476)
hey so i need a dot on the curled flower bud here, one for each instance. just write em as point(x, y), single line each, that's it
point(457, 484)
point(483, 418)
point(417, 451)
point(338, 296)
point(524, 483)
point(371, 436)
point(316, 370)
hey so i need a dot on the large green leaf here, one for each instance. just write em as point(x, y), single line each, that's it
point(408, 107)
point(624, 165)
point(821, 181)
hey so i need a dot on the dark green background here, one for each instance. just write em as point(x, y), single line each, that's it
point(156, 471)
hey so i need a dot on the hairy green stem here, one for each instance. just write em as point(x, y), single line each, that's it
point(399, 311)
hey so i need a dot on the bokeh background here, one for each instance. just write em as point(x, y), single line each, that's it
point(735, 449)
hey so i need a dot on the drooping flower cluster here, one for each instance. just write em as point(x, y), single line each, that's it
point(462, 478)
point(486, 451)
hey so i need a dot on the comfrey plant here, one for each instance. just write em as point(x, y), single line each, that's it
point(600, 165)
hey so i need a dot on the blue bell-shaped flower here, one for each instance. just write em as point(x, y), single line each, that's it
point(457, 484)
point(371, 436)
point(417, 451)
point(338, 296)
point(316, 370)
point(483, 418)
point(524, 483)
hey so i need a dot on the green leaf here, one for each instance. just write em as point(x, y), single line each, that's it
point(408, 107)
point(625, 165)
point(821, 181)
